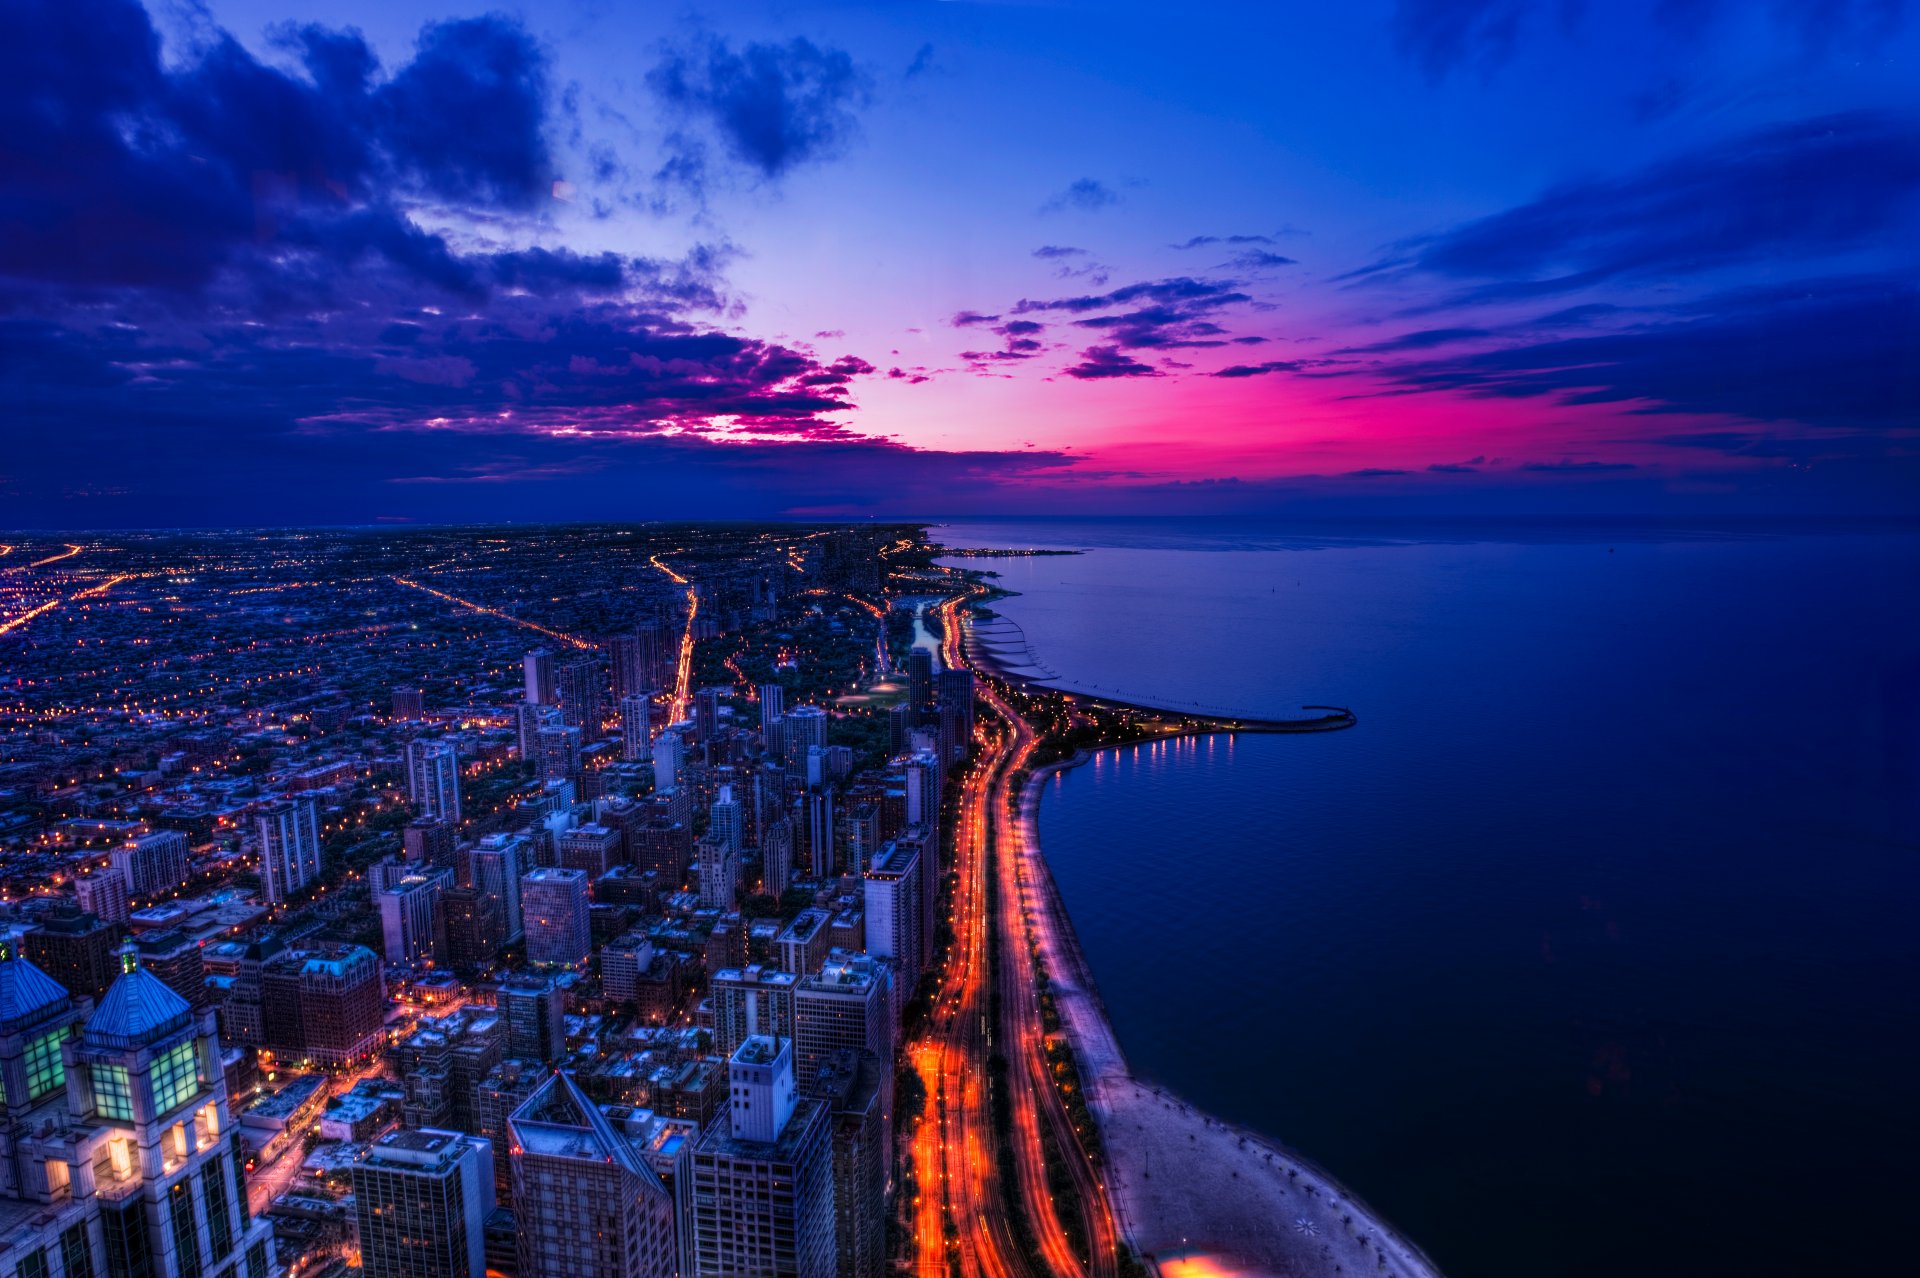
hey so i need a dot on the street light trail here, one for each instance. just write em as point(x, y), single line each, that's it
point(495, 612)
point(71, 551)
point(15, 623)
point(683, 673)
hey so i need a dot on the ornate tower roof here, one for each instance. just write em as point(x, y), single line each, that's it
point(27, 994)
point(138, 1009)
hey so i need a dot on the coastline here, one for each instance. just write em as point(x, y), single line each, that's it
point(1191, 1193)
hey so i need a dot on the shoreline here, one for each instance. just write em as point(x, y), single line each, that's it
point(1226, 1195)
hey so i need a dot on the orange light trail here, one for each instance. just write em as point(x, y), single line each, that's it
point(683, 674)
point(495, 612)
point(14, 623)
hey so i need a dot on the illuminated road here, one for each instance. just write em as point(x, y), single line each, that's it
point(683, 673)
point(14, 623)
point(961, 1217)
point(495, 612)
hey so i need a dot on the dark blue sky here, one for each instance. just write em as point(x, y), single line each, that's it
point(352, 261)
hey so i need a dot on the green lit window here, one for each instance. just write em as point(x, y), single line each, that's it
point(213, 1188)
point(76, 1255)
point(186, 1241)
point(175, 1077)
point(113, 1092)
point(45, 1070)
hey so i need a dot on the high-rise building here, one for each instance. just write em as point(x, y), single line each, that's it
point(130, 1123)
point(663, 846)
point(804, 726)
point(528, 718)
point(813, 826)
point(474, 931)
point(553, 910)
point(628, 664)
point(593, 847)
point(636, 727)
point(537, 667)
point(503, 1089)
point(748, 1001)
point(623, 961)
point(153, 863)
point(727, 821)
point(421, 1200)
point(669, 755)
point(105, 893)
point(955, 688)
point(497, 864)
point(289, 848)
point(899, 729)
point(324, 1005)
point(412, 918)
point(852, 1083)
point(773, 706)
point(763, 1179)
point(433, 778)
point(920, 683)
point(706, 716)
point(844, 1006)
point(175, 958)
point(776, 858)
point(429, 842)
point(408, 703)
point(582, 691)
point(535, 1010)
point(76, 949)
point(557, 752)
point(586, 1202)
point(923, 773)
point(892, 885)
point(719, 873)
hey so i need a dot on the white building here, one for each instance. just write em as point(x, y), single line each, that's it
point(433, 779)
point(289, 848)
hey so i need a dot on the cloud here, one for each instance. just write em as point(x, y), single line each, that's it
point(1814, 187)
point(1260, 370)
point(971, 319)
point(1101, 362)
point(1567, 467)
point(124, 171)
point(1201, 241)
point(1423, 339)
point(1471, 466)
point(1050, 251)
point(1260, 260)
point(1444, 35)
point(1834, 354)
point(922, 63)
point(1084, 194)
point(774, 106)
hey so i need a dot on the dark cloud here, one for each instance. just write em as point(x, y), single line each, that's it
point(1101, 362)
point(1834, 354)
point(1084, 194)
point(1201, 241)
point(774, 106)
point(1423, 339)
point(1057, 251)
point(921, 64)
point(1260, 260)
point(1567, 467)
point(1470, 467)
point(971, 319)
point(1374, 472)
point(122, 171)
point(1157, 313)
point(1260, 370)
point(1819, 186)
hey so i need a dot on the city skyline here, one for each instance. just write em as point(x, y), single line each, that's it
point(423, 262)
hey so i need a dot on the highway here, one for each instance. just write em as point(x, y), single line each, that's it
point(961, 1220)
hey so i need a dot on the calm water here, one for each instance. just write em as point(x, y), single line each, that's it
point(1592, 949)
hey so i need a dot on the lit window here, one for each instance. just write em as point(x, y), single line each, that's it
point(175, 1077)
point(113, 1092)
point(45, 1070)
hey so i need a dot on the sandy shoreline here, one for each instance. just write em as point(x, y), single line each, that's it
point(1191, 1193)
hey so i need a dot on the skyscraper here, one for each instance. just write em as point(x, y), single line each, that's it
point(421, 1200)
point(776, 858)
point(289, 848)
point(557, 750)
point(636, 727)
point(412, 921)
point(748, 1001)
point(920, 683)
point(538, 669)
point(763, 1178)
point(553, 905)
point(153, 863)
point(429, 842)
point(586, 1203)
point(726, 821)
point(804, 726)
point(719, 872)
point(852, 1083)
point(534, 1007)
point(845, 1005)
point(773, 705)
point(104, 892)
point(892, 897)
point(581, 691)
point(497, 864)
point(669, 753)
point(433, 779)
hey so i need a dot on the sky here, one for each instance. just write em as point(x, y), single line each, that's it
point(356, 262)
